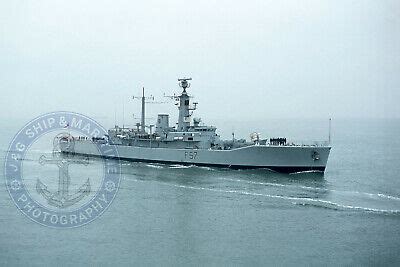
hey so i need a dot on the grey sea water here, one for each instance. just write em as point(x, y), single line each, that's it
point(178, 215)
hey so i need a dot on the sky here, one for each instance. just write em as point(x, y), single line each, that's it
point(248, 59)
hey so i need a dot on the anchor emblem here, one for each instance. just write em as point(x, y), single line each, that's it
point(62, 198)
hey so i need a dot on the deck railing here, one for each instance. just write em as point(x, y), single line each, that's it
point(304, 143)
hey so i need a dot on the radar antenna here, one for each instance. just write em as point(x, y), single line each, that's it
point(184, 83)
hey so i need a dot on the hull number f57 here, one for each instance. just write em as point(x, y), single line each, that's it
point(190, 155)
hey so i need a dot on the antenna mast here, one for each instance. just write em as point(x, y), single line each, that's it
point(329, 137)
point(143, 99)
point(123, 116)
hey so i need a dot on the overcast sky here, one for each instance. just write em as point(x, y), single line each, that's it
point(259, 59)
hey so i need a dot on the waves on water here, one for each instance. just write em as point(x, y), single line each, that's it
point(297, 200)
point(155, 166)
point(178, 166)
point(300, 201)
point(380, 195)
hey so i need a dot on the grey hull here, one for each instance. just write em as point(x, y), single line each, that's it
point(287, 159)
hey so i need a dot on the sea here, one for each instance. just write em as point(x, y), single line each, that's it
point(175, 215)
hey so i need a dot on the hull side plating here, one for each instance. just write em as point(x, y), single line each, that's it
point(287, 159)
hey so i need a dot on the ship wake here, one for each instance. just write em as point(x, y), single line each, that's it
point(319, 203)
point(314, 189)
point(295, 200)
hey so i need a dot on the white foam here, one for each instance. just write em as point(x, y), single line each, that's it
point(310, 171)
point(154, 166)
point(179, 166)
point(274, 184)
point(205, 168)
point(388, 197)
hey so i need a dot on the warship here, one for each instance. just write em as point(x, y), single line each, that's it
point(191, 142)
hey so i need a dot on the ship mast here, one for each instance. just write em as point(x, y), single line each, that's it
point(184, 108)
point(143, 113)
point(143, 98)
